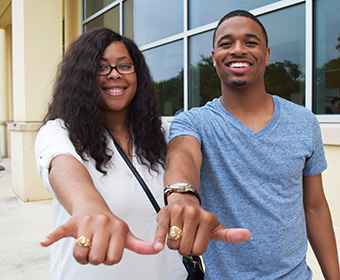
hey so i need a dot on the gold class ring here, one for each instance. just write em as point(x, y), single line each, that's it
point(83, 241)
point(175, 233)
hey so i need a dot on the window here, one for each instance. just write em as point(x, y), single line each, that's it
point(146, 21)
point(203, 12)
point(109, 19)
point(176, 39)
point(166, 64)
point(285, 74)
point(204, 82)
point(93, 6)
point(327, 57)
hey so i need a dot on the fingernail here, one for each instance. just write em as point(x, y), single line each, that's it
point(158, 246)
point(44, 240)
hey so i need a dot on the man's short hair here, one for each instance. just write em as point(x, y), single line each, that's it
point(241, 13)
point(335, 100)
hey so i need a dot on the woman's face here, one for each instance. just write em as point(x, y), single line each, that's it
point(117, 90)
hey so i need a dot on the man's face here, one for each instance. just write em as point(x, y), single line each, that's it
point(336, 107)
point(240, 54)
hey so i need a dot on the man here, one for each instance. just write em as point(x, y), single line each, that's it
point(256, 160)
point(335, 106)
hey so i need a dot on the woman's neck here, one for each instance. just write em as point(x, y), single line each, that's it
point(118, 126)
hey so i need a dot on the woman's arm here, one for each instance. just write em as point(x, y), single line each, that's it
point(90, 216)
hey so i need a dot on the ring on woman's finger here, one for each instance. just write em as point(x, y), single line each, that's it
point(83, 241)
point(175, 233)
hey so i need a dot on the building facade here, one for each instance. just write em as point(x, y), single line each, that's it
point(176, 39)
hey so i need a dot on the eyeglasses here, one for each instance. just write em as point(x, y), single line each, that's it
point(123, 69)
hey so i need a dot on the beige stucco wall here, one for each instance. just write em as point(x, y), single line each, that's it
point(331, 183)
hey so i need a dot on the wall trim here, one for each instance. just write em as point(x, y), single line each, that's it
point(330, 134)
point(24, 126)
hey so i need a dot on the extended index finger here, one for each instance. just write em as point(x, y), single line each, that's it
point(163, 220)
point(140, 246)
point(66, 230)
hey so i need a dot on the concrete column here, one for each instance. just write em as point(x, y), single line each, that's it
point(5, 73)
point(72, 20)
point(6, 96)
point(37, 50)
point(9, 79)
point(3, 91)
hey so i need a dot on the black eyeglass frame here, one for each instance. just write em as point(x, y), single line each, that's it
point(116, 68)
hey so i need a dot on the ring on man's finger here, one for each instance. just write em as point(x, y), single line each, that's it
point(83, 241)
point(175, 233)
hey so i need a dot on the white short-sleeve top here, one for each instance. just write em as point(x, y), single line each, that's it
point(126, 199)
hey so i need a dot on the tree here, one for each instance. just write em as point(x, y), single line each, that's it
point(338, 45)
point(283, 79)
point(204, 82)
point(170, 94)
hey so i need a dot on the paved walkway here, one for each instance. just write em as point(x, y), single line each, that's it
point(22, 225)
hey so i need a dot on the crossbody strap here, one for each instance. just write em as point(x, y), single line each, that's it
point(192, 263)
point(138, 177)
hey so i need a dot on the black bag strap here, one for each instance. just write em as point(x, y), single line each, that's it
point(138, 177)
point(192, 263)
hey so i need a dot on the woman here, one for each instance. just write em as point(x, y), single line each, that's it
point(103, 89)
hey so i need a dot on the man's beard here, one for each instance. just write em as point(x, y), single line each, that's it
point(239, 83)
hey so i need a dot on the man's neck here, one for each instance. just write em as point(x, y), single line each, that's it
point(253, 107)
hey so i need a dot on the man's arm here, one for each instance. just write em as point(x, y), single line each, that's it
point(319, 227)
point(184, 159)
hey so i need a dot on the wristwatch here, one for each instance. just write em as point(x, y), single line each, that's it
point(179, 188)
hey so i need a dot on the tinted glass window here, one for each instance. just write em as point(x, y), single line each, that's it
point(202, 12)
point(110, 19)
point(204, 83)
point(327, 57)
point(166, 65)
point(152, 20)
point(285, 74)
point(93, 6)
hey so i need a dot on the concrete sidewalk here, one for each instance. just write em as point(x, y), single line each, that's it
point(22, 226)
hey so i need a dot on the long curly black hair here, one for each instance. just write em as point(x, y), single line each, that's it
point(77, 101)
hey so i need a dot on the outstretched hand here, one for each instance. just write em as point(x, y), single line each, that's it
point(199, 226)
point(109, 237)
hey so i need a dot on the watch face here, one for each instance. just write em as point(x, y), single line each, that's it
point(179, 186)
